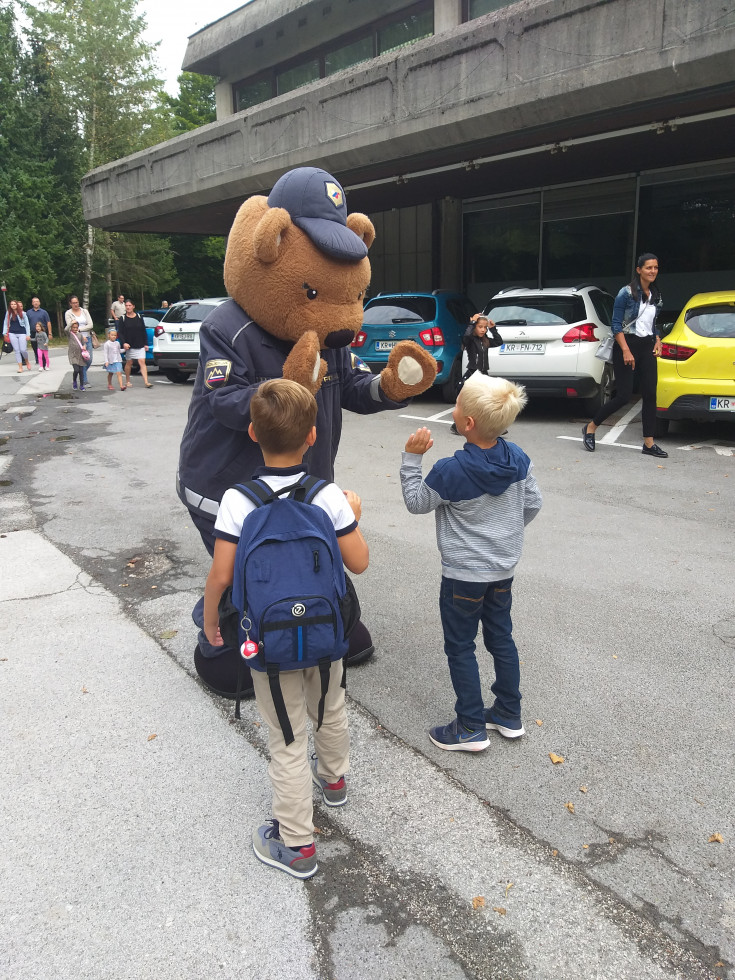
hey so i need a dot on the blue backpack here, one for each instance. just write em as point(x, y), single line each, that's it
point(289, 588)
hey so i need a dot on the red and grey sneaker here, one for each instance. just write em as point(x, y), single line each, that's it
point(299, 862)
point(333, 794)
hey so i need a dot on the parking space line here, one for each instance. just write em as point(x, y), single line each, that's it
point(617, 445)
point(619, 427)
point(439, 417)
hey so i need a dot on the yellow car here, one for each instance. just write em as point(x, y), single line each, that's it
point(696, 370)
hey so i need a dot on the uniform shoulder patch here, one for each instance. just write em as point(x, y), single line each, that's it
point(216, 373)
point(358, 364)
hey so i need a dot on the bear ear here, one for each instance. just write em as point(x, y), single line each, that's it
point(268, 234)
point(362, 227)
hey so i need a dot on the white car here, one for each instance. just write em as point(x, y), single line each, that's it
point(550, 337)
point(176, 337)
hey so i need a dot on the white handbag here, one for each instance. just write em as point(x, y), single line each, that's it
point(605, 350)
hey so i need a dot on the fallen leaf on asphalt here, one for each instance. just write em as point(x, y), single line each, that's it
point(570, 807)
point(316, 830)
point(582, 789)
point(3, 659)
point(478, 902)
point(257, 724)
point(151, 737)
point(715, 839)
point(615, 656)
point(508, 888)
point(554, 852)
point(499, 909)
point(168, 634)
point(611, 839)
point(84, 690)
point(124, 585)
point(154, 586)
point(585, 847)
point(539, 722)
point(556, 759)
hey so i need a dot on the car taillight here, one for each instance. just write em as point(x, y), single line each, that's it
point(675, 352)
point(157, 331)
point(360, 338)
point(433, 337)
point(585, 331)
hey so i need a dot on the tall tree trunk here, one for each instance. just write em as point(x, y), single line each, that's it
point(88, 257)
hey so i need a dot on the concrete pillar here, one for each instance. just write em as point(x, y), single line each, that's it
point(450, 243)
point(224, 100)
point(447, 14)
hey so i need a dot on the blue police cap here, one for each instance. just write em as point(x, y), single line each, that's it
point(316, 203)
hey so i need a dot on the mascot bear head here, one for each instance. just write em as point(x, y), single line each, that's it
point(297, 263)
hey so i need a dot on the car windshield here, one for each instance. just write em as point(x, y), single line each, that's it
point(188, 313)
point(712, 321)
point(541, 310)
point(409, 309)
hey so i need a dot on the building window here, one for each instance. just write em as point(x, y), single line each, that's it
point(386, 34)
point(405, 31)
point(252, 93)
point(348, 55)
point(307, 71)
point(589, 250)
point(500, 249)
point(476, 8)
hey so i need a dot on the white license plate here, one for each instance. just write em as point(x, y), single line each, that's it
point(381, 345)
point(721, 404)
point(521, 348)
point(183, 336)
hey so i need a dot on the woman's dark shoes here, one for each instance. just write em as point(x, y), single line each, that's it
point(655, 450)
point(588, 439)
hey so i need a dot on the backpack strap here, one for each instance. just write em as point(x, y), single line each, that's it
point(324, 666)
point(259, 493)
point(278, 703)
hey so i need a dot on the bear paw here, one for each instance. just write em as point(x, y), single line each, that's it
point(410, 370)
point(304, 364)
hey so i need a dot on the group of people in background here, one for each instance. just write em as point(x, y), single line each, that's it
point(20, 327)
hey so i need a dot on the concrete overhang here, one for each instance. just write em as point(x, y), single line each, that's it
point(505, 88)
point(263, 32)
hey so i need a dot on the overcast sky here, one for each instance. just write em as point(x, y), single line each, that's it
point(172, 21)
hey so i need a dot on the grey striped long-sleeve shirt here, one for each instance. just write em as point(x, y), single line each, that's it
point(483, 499)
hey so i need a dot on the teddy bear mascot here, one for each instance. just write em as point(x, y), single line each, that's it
point(296, 269)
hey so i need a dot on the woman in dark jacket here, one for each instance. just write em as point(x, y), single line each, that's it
point(637, 346)
point(133, 338)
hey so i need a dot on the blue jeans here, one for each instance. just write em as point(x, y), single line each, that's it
point(463, 605)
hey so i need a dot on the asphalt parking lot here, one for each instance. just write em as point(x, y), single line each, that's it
point(623, 613)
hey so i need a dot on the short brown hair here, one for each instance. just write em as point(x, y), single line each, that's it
point(492, 402)
point(283, 413)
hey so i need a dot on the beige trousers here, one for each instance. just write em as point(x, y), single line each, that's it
point(289, 770)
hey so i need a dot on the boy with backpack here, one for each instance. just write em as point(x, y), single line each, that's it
point(483, 497)
point(280, 544)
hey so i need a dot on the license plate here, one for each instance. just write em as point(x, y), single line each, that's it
point(381, 345)
point(182, 336)
point(721, 404)
point(521, 348)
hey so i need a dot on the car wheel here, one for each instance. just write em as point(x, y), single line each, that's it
point(604, 393)
point(449, 388)
point(178, 377)
point(661, 428)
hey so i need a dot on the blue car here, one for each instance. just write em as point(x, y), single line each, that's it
point(436, 321)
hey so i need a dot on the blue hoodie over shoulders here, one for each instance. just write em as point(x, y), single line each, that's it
point(483, 499)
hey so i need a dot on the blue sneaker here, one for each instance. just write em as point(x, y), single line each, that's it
point(508, 727)
point(333, 794)
point(299, 862)
point(454, 737)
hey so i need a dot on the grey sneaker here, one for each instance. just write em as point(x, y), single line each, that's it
point(299, 862)
point(333, 794)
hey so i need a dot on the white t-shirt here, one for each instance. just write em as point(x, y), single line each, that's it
point(235, 506)
point(646, 316)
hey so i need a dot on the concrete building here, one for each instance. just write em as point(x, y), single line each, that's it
point(492, 143)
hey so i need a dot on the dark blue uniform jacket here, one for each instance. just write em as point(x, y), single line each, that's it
point(236, 356)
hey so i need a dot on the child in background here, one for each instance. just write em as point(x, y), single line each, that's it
point(42, 348)
point(113, 360)
point(483, 497)
point(283, 415)
point(78, 363)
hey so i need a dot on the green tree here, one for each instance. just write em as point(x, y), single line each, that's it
point(199, 260)
point(100, 65)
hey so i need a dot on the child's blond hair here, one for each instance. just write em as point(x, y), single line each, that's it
point(493, 403)
point(283, 414)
